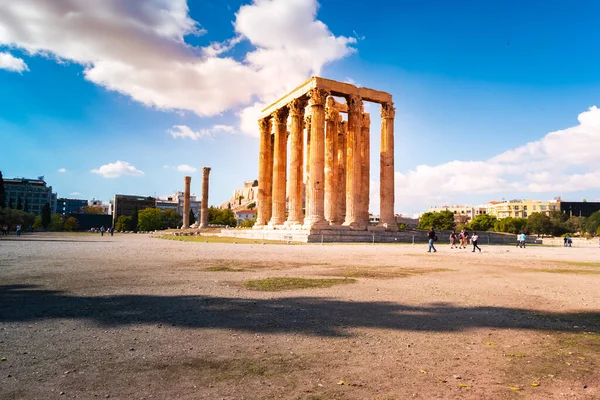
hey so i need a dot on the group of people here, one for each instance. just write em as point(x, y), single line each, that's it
point(462, 238)
point(521, 239)
point(6, 230)
point(568, 242)
point(110, 230)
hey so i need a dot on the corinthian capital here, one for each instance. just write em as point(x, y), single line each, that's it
point(388, 110)
point(331, 114)
point(355, 104)
point(280, 116)
point(264, 125)
point(297, 106)
point(366, 120)
point(318, 97)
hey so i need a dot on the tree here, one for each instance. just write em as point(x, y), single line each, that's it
point(172, 219)
point(249, 223)
point(133, 225)
point(19, 204)
point(149, 219)
point(443, 220)
point(10, 203)
point(240, 198)
point(217, 216)
point(576, 224)
point(593, 223)
point(37, 224)
point(251, 206)
point(26, 205)
point(483, 222)
point(540, 224)
point(192, 217)
point(93, 209)
point(71, 224)
point(123, 223)
point(2, 192)
point(12, 218)
point(56, 223)
point(46, 215)
point(510, 225)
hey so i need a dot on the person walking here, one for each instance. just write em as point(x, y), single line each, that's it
point(18, 230)
point(452, 240)
point(523, 239)
point(111, 230)
point(474, 240)
point(102, 230)
point(432, 238)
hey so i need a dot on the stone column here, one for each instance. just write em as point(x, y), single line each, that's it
point(365, 166)
point(204, 204)
point(315, 193)
point(264, 126)
point(355, 110)
point(341, 172)
point(307, 126)
point(331, 122)
point(279, 166)
point(387, 219)
point(186, 201)
point(269, 189)
point(296, 181)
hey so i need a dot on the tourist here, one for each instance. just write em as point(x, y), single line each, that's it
point(523, 239)
point(102, 230)
point(452, 239)
point(432, 238)
point(565, 241)
point(5, 230)
point(569, 241)
point(474, 239)
point(519, 240)
point(18, 230)
point(111, 230)
point(464, 238)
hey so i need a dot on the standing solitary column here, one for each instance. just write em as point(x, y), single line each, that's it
point(204, 205)
point(315, 193)
point(279, 166)
point(388, 112)
point(186, 201)
point(307, 126)
point(264, 126)
point(331, 121)
point(365, 186)
point(355, 109)
point(296, 180)
point(341, 170)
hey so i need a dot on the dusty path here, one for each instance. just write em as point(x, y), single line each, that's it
point(133, 317)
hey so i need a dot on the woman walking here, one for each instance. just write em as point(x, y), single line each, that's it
point(474, 239)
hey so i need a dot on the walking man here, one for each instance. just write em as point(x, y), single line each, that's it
point(432, 238)
point(474, 239)
point(18, 230)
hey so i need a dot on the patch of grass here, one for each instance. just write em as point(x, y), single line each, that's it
point(567, 271)
point(389, 272)
point(244, 265)
point(575, 263)
point(219, 239)
point(278, 284)
point(224, 269)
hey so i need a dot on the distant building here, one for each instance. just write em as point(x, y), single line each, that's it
point(579, 208)
point(464, 211)
point(243, 215)
point(106, 207)
point(35, 191)
point(243, 197)
point(128, 204)
point(69, 206)
point(175, 203)
point(521, 208)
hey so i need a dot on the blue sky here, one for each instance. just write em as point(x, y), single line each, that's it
point(493, 99)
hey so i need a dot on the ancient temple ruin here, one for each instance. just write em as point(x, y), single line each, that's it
point(336, 171)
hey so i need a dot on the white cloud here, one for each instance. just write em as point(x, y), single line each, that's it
point(11, 63)
point(117, 169)
point(543, 166)
point(185, 168)
point(62, 170)
point(139, 49)
point(183, 131)
point(75, 194)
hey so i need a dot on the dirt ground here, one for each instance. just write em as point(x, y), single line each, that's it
point(135, 317)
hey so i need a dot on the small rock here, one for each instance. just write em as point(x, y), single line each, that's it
point(457, 376)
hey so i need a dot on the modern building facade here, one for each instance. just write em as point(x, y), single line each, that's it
point(521, 208)
point(175, 203)
point(69, 206)
point(465, 211)
point(128, 204)
point(579, 208)
point(244, 215)
point(35, 191)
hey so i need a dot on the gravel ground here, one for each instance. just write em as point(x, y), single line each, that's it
point(135, 317)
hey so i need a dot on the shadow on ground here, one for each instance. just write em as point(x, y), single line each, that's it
point(306, 315)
